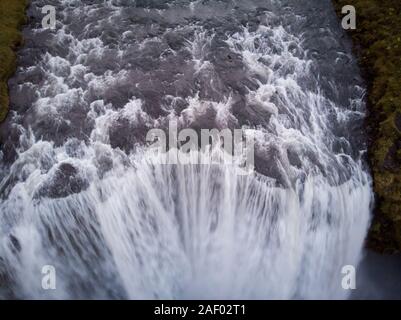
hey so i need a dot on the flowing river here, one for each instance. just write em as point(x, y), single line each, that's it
point(78, 195)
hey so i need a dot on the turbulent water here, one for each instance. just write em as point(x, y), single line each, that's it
point(78, 194)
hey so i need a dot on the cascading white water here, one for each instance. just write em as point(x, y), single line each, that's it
point(117, 224)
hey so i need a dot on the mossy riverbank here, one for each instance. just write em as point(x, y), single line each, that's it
point(377, 42)
point(12, 17)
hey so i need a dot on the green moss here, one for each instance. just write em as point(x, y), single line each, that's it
point(12, 16)
point(377, 41)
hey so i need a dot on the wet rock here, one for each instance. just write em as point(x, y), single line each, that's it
point(125, 135)
point(229, 67)
point(64, 182)
point(175, 41)
point(15, 244)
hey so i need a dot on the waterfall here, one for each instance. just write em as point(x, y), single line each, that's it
point(81, 192)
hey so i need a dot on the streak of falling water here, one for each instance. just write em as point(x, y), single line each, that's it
point(77, 192)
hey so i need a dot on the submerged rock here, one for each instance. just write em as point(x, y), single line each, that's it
point(65, 181)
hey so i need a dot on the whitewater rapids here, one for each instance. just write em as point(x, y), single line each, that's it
point(78, 194)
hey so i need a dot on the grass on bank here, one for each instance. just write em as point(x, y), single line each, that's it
point(12, 16)
point(377, 40)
